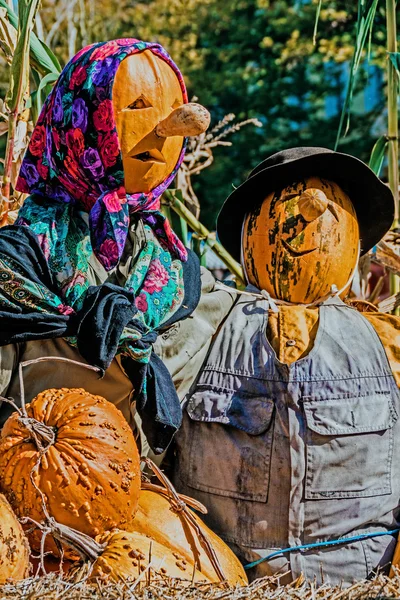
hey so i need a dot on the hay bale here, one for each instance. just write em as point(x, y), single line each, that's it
point(152, 587)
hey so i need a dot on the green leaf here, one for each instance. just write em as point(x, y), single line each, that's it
point(19, 80)
point(179, 224)
point(44, 82)
point(33, 104)
point(317, 21)
point(47, 51)
point(395, 60)
point(365, 20)
point(378, 154)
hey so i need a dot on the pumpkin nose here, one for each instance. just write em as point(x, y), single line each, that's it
point(187, 120)
point(312, 204)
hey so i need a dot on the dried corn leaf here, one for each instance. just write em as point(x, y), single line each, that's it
point(389, 304)
point(8, 36)
point(386, 255)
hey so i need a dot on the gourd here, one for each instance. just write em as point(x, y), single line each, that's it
point(165, 515)
point(72, 456)
point(301, 241)
point(157, 518)
point(14, 548)
point(127, 554)
point(166, 537)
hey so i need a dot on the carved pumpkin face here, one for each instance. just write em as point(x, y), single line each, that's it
point(145, 91)
point(301, 240)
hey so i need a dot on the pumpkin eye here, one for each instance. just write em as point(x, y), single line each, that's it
point(287, 197)
point(139, 103)
point(176, 103)
point(333, 210)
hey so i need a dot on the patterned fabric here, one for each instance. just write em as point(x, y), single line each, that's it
point(156, 279)
point(32, 308)
point(74, 156)
point(74, 165)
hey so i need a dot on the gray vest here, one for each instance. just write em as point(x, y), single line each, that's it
point(284, 455)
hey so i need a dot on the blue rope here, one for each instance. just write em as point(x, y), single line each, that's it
point(356, 538)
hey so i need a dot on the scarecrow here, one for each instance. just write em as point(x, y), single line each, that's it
point(92, 270)
point(291, 436)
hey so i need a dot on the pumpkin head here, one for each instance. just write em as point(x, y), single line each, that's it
point(80, 454)
point(145, 91)
point(301, 241)
point(14, 549)
point(152, 120)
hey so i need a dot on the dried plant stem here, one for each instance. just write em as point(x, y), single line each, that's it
point(19, 86)
point(5, 187)
point(171, 200)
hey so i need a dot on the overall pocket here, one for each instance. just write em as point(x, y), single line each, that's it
point(230, 443)
point(349, 445)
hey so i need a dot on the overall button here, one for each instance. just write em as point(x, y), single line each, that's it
point(291, 343)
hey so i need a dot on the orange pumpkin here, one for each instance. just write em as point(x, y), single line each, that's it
point(301, 240)
point(172, 548)
point(122, 555)
point(156, 518)
point(14, 549)
point(79, 451)
point(127, 554)
point(145, 91)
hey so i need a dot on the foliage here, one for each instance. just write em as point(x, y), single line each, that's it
point(267, 60)
point(253, 58)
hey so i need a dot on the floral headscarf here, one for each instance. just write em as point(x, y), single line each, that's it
point(74, 155)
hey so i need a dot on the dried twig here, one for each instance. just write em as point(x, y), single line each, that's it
point(180, 507)
point(199, 156)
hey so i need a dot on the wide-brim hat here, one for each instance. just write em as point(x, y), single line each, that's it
point(372, 199)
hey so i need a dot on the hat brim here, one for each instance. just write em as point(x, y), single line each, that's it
point(373, 200)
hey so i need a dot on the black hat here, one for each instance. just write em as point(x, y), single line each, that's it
point(373, 201)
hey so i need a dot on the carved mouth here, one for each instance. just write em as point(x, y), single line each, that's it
point(153, 156)
point(295, 252)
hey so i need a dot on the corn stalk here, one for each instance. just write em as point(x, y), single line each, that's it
point(392, 93)
point(17, 93)
point(42, 58)
point(393, 127)
point(170, 200)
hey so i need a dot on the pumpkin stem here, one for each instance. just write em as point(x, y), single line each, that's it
point(43, 435)
point(83, 544)
point(179, 506)
point(188, 120)
point(312, 204)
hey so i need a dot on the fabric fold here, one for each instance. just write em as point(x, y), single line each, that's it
point(108, 323)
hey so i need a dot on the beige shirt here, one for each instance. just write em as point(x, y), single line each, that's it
point(183, 348)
